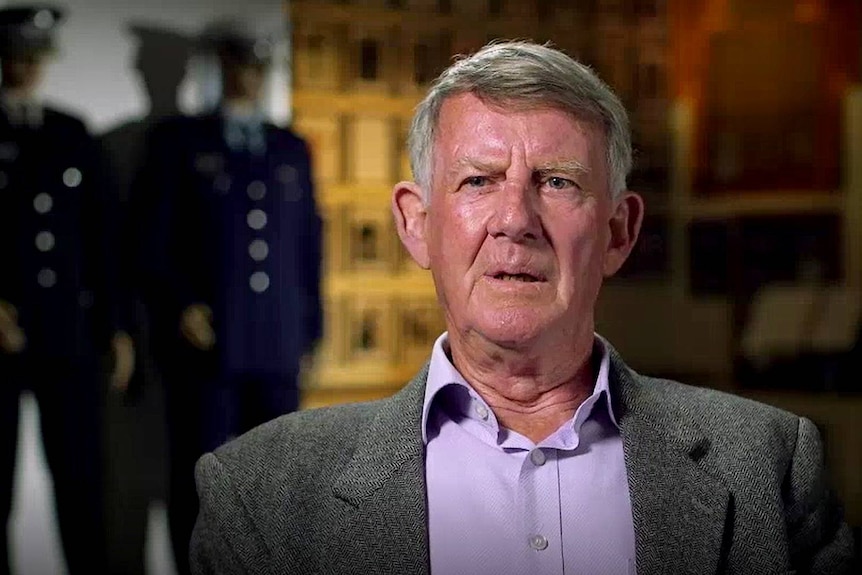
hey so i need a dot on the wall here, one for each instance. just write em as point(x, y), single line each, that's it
point(93, 73)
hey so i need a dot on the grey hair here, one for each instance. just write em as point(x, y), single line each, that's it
point(524, 75)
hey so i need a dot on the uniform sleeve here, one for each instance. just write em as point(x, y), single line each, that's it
point(224, 540)
point(164, 227)
point(820, 540)
point(101, 238)
point(312, 254)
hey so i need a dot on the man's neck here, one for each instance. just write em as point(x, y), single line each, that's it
point(17, 95)
point(240, 107)
point(534, 391)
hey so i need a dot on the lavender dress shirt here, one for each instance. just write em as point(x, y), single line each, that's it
point(499, 504)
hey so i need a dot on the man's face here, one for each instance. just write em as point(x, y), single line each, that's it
point(520, 229)
point(244, 79)
point(24, 71)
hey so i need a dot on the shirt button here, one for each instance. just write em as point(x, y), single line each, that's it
point(256, 219)
point(43, 203)
point(259, 282)
point(482, 411)
point(538, 542)
point(537, 456)
point(256, 190)
point(46, 277)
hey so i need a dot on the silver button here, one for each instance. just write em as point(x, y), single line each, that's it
point(537, 456)
point(45, 241)
point(46, 277)
point(85, 299)
point(256, 219)
point(72, 177)
point(292, 193)
point(43, 20)
point(285, 173)
point(258, 250)
point(43, 203)
point(538, 542)
point(222, 183)
point(482, 411)
point(4, 180)
point(259, 282)
point(256, 190)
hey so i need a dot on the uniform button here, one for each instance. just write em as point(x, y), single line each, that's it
point(256, 219)
point(285, 173)
point(45, 241)
point(46, 277)
point(256, 190)
point(259, 282)
point(538, 542)
point(292, 193)
point(482, 411)
point(537, 456)
point(72, 177)
point(43, 203)
point(85, 299)
point(43, 20)
point(258, 250)
point(4, 180)
point(222, 183)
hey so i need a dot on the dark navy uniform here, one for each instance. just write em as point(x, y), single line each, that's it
point(236, 228)
point(55, 271)
point(135, 425)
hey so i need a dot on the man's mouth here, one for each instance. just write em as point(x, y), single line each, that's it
point(519, 277)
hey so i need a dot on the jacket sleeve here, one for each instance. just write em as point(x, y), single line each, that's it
point(225, 541)
point(820, 541)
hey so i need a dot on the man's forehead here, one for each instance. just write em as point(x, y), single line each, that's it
point(475, 101)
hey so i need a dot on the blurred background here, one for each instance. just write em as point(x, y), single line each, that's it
point(747, 124)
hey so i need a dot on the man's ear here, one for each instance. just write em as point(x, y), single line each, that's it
point(625, 226)
point(410, 212)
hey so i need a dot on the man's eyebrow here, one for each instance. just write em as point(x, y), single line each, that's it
point(573, 167)
point(473, 163)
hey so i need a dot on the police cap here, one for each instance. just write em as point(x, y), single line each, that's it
point(28, 28)
point(239, 42)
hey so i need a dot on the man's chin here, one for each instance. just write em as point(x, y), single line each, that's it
point(514, 328)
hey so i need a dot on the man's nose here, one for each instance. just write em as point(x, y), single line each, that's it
point(516, 214)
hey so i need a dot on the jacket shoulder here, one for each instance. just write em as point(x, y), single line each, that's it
point(317, 441)
point(733, 424)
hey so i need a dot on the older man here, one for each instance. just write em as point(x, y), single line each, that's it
point(526, 445)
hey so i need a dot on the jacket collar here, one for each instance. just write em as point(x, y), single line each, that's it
point(678, 508)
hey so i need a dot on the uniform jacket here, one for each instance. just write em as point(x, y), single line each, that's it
point(56, 243)
point(718, 484)
point(239, 232)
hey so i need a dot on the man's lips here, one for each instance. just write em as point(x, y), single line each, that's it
point(517, 274)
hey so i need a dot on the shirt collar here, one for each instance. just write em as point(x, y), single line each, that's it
point(22, 111)
point(442, 374)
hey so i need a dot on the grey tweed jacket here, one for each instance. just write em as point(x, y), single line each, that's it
point(718, 484)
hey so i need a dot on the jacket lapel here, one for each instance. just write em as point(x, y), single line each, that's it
point(679, 509)
point(384, 484)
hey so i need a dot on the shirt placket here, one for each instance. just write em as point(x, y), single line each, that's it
point(539, 489)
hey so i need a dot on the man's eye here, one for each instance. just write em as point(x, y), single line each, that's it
point(476, 181)
point(558, 183)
